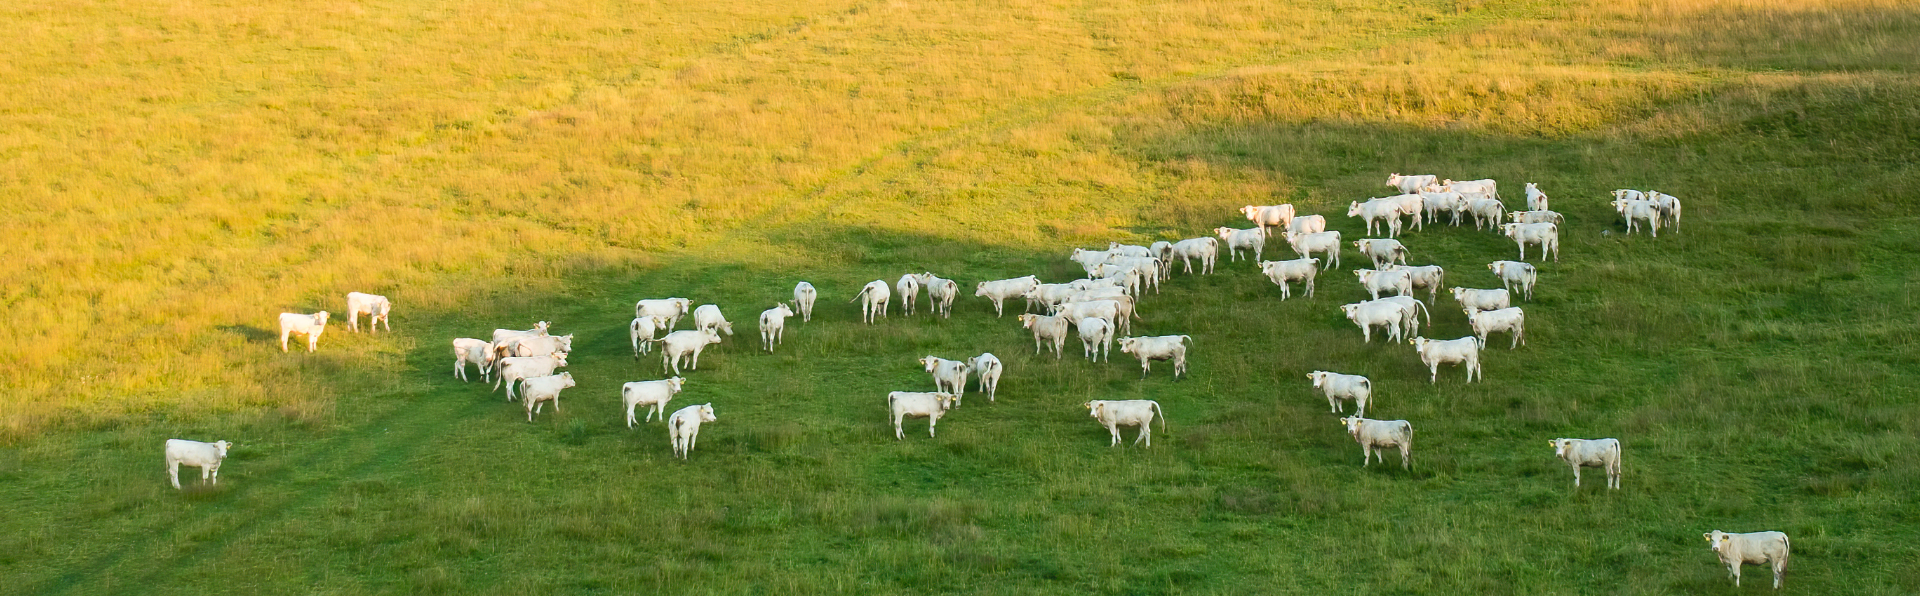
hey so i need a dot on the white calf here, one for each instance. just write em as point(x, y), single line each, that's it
point(206, 456)
point(1477, 300)
point(1339, 387)
point(708, 318)
point(1095, 334)
point(1753, 548)
point(1430, 277)
point(1281, 272)
point(533, 346)
point(1326, 243)
point(1110, 309)
point(949, 376)
point(803, 297)
point(653, 394)
point(1205, 249)
point(1377, 211)
point(1053, 329)
point(1408, 184)
point(1511, 320)
point(1306, 224)
point(1487, 213)
point(909, 288)
point(987, 368)
point(940, 294)
point(375, 307)
point(478, 352)
point(1251, 239)
point(773, 325)
point(643, 329)
point(1638, 211)
point(1434, 352)
point(683, 427)
point(1485, 186)
point(1411, 309)
point(671, 308)
point(904, 404)
point(309, 325)
point(999, 291)
point(1536, 200)
point(1443, 202)
point(1381, 434)
point(1165, 347)
point(1114, 414)
point(1543, 216)
point(535, 392)
point(501, 336)
point(1375, 281)
point(873, 301)
point(1669, 206)
point(1544, 234)
point(1516, 273)
point(518, 368)
point(1592, 453)
point(1371, 314)
point(1267, 216)
point(684, 346)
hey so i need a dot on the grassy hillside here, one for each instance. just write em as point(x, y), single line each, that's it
point(182, 173)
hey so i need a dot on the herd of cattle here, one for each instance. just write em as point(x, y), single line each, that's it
point(1099, 307)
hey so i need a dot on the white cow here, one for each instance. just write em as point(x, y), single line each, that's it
point(1109, 309)
point(1511, 320)
point(1205, 249)
point(1250, 239)
point(1637, 211)
point(1129, 250)
point(500, 336)
point(999, 291)
point(873, 301)
point(1592, 453)
point(773, 325)
point(1443, 202)
point(909, 288)
point(206, 456)
point(1411, 310)
point(671, 308)
point(1377, 211)
point(684, 346)
point(653, 394)
point(949, 376)
point(535, 392)
point(940, 293)
point(1163, 250)
point(708, 318)
point(1114, 414)
point(1485, 186)
point(1371, 314)
point(1165, 347)
point(1753, 548)
point(1095, 334)
point(1543, 216)
point(1052, 329)
point(1301, 270)
point(518, 368)
point(683, 427)
point(309, 325)
point(1089, 259)
point(1669, 206)
point(1381, 435)
point(1326, 243)
point(478, 352)
point(1305, 224)
point(1408, 184)
point(1264, 216)
point(375, 307)
point(642, 329)
point(1544, 234)
point(1536, 200)
point(905, 404)
point(1629, 194)
point(803, 297)
point(1341, 387)
point(1516, 273)
point(1375, 281)
point(1435, 352)
point(1476, 300)
point(1487, 212)
point(533, 346)
point(1431, 277)
point(987, 368)
point(1411, 205)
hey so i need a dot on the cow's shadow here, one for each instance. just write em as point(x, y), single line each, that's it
point(252, 333)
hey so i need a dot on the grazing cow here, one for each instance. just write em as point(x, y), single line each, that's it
point(1638, 211)
point(1411, 309)
point(1592, 453)
point(1128, 250)
point(909, 288)
point(1443, 202)
point(535, 392)
point(1306, 224)
point(987, 368)
point(1281, 272)
point(1053, 329)
point(1485, 186)
point(1381, 435)
point(671, 308)
point(1511, 320)
point(873, 301)
point(708, 318)
point(478, 352)
point(1326, 243)
point(803, 297)
point(1476, 300)
point(533, 346)
point(1205, 249)
point(518, 368)
point(1377, 211)
point(1516, 273)
point(1753, 548)
point(1536, 200)
point(375, 307)
point(1264, 216)
point(1095, 334)
point(1430, 277)
point(653, 394)
point(1435, 352)
point(1340, 387)
point(683, 427)
point(206, 456)
point(949, 376)
point(501, 336)
point(1165, 347)
point(773, 325)
point(904, 404)
point(999, 291)
point(940, 294)
point(1109, 309)
point(1628, 194)
point(1542, 216)
point(1544, 234)
point(642, 329)
point(1250, 239)
point(1370, 314)
point(1487, 212)
point(1669, 207)
point(1114, 414)
point(1408, 184)
point(1375, 281)
point(684, 346)
point(309, 325)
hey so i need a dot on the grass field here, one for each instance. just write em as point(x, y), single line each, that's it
point(180, 173)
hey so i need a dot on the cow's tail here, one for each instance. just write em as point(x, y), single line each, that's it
point(1186, 338)
point(1423, 309)
point(1161, 413)
point(863, 292)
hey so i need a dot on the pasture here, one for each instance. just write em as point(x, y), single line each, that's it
point(178, 174)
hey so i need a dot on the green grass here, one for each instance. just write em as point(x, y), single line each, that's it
point(180, 174)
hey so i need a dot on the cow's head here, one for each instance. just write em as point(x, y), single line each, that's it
point(930, 363)
point(1095, 407)
point(1393, 179)
point(1223, 232)
point(1317, 376)
point(541, 327)
point(1027, 320)
point(712, 338)
point(1352, 423)
point(559, 357)
point(320, 318)
point(706, 412)
point(1560, 447)
point(1353, 209)
point(1718, 539)
point(566, 379)
point(1419, 343)
point(1349, 309)
point(946, 400)
point(674, 384)
point(1128, 344)
point(223, 446)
